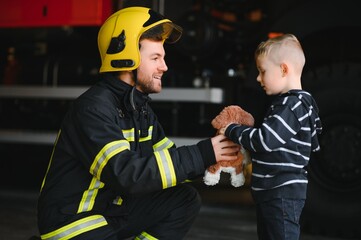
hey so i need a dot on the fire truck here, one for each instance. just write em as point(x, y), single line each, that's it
point(215, 51)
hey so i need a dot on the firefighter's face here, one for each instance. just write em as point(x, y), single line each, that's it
point(152, 66)
point(271, 76)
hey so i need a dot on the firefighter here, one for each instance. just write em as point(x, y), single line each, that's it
point(113, 174)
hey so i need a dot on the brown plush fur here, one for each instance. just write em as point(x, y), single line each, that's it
point(231, 114)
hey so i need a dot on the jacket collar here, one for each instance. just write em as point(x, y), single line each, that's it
point(122, 89)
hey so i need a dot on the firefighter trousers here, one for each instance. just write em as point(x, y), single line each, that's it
point(167, 214)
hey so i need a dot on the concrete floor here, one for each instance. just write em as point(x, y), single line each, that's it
point(219, 219)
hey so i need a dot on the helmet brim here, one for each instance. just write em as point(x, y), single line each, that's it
point(172, 32)
point(164, 30)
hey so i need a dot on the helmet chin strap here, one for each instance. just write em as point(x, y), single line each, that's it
point(142, 113)
point(131, 97)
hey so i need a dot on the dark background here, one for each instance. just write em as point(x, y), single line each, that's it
point(215, 51)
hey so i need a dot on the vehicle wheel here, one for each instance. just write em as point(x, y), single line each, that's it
point(333, 205)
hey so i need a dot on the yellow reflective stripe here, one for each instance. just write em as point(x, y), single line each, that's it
point(118, 200)
point(166, 168)
point(88, 199)
point(107, 152)
point(165, 143)
point(76, 228)
point(149, 137)
point(51, 159)
point(145, 236)
point(128, 134)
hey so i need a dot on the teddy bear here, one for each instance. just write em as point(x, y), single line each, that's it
point(230, 114)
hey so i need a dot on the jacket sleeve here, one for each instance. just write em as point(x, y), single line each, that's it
point(105, 151)
point(275, 131)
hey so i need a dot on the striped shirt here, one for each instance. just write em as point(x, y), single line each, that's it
point(281, 147)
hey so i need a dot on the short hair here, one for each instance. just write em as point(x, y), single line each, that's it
point(285, 46)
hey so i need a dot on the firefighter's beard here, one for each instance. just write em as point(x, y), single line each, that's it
point(149, 85)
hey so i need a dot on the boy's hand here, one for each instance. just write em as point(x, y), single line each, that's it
point(223, 130)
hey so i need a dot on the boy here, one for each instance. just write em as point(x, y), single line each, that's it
point(282, 145)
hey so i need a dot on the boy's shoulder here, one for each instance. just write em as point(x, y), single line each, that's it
point(295, 99)
point(293, 96)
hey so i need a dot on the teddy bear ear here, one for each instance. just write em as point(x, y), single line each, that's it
point(216, 123)
point(223, 118)
point(219, 121)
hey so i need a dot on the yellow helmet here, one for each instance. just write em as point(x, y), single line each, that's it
point(118, 38)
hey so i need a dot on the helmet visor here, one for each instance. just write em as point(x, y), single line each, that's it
point(172, 32)
point(166, 31)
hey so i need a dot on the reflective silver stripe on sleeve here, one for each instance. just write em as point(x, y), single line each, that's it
point(166, 168)
point(105, 154)
point(165, 143)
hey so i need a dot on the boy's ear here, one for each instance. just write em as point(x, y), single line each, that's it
point(284, 69)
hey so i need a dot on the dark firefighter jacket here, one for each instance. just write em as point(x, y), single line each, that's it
point(106, 150)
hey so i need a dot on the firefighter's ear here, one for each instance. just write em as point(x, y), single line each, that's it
point(284, 69)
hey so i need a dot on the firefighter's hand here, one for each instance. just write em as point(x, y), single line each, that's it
point(224, 149)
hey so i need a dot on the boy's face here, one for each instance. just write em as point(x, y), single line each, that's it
point(152, 66)
point(271, 76)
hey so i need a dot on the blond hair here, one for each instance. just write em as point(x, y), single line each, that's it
point(282, 48)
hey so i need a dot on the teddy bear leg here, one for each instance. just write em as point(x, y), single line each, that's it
point(212, 178)
point(237, 180)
